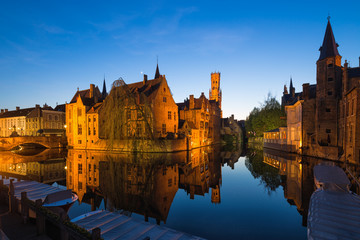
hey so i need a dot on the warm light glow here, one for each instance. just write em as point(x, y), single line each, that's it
point(65, 167)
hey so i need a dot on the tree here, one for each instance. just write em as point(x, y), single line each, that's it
point(265, 118)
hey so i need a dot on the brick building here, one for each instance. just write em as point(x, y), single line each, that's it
point(327, 113)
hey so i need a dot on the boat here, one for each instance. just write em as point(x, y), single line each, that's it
point(330, 177)
point(51, 196)
point(333, 209)
point(118, 226)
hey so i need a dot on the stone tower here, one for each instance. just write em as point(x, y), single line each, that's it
point(215, 91)
point(328, 91)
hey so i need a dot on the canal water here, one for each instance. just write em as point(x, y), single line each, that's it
point(214, 193)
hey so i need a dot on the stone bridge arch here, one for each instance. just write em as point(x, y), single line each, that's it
point(8, 143)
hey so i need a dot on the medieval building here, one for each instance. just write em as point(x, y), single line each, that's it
point(323, 120)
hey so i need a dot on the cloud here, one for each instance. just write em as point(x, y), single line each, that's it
point(53, 29)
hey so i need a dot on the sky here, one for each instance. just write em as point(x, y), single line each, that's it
point(50, 48)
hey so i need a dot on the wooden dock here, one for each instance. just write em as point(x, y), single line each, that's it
point(119, 226)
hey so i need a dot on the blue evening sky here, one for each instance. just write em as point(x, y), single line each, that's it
point(49, 48)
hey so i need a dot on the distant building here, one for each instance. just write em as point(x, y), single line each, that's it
point(32, 121)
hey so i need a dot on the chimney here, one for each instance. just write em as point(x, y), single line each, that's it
point(37, 106)
point(2, 110)
point(17, 108)
point(145, 79)
point(92, 87)
point(306, 89)
point(6, 110)
point(192, 103)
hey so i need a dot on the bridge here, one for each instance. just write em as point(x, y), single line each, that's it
point(8, 143)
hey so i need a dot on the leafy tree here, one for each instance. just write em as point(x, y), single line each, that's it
point(265, 118)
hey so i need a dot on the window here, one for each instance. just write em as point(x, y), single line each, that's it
point(89, 167)
point(94, 132)
point(175, 116)
point(169, 115)
point(169, 182)
point(89, 119)
point(328, 131)
point(330, 79)
point(328, 110)
point(164, 99)
point(80, 185)
point(79, 112)
point(79, 168)
point(329, 93)
point(174, 128)
point(128, 114)
point(79, 129)
point(89, 131)
point(50, 118)
point(164, 128)
point(330, 65)
point(69, 113)
point(79, 141)
point(79, 156)
point(94, 120)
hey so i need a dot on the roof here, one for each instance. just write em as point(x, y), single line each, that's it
point(16, 113)
point(289, 99)
point(149, 89)
point(354, 72)
point(60, 108)
point(329, 46)
point(95, 108)
point(85, 96)
point(198, 103)
point(274, 130)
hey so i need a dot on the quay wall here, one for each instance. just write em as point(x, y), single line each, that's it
point(8, 143)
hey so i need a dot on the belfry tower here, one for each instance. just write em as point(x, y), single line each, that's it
point(328, 90)
point(215, 91)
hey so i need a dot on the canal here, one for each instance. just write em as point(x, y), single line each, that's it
point(209, 192)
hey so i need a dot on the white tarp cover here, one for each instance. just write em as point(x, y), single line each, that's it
point(35, 190)
point(334, 215)
point(118, 226)
point(325, 174)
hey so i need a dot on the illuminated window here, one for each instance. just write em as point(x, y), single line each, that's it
point(164, 99)
point(79, 168)
point(169, 115)
point(79, 112)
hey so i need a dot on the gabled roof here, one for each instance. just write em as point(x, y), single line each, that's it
point(329, 46)
point(16, 113)
point(85, 96)
point(149, 89)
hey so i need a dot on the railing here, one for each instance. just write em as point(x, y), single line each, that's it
point(68, 230)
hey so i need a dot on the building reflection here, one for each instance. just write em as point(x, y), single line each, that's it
point(46, 166)
point(144, 184)
point(297, 175)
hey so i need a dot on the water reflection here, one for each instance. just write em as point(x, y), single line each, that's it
point(47, 165)
point(145, 184)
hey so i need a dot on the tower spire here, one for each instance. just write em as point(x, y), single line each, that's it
point(157, 73)
point(104, 93)
point(329, 46)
